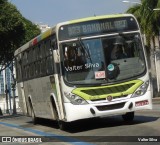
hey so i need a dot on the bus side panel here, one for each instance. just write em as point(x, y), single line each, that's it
point(32, 91)
point(40, 90)
point(22, 98)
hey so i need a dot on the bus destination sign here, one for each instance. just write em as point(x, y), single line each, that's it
point(97, 27)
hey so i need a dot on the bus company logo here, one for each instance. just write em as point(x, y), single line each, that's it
point(6, 139)
point(109, 98)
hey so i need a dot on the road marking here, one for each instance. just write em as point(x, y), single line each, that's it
point(67, 139)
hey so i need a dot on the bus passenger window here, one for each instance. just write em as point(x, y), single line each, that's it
point(48, 47)
point(37, 68)
point(43, 67)
point(49, 65)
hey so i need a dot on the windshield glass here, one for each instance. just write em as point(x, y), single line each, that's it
point(103, 60)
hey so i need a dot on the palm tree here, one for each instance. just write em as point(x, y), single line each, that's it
point(149, 21)
point(148, 18)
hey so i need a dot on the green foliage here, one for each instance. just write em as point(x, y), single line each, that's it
point(15, 30)
point(147, 17)
point(11, 30)
point(31, 30)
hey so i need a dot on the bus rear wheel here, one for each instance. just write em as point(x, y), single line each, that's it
point(34, 118)
point(129, 116)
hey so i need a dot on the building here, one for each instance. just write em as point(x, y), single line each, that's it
point(43, 27)
point(6, 86)
point(2, 82)
point(5, 81)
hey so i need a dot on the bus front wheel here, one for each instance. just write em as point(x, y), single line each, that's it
point(62, 125)
point(129, 116)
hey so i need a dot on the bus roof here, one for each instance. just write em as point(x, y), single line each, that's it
point(94, 18)
point(50, 31)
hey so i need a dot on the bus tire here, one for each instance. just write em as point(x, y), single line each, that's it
point(34, 118)
point(129, 116)
point(61, 124)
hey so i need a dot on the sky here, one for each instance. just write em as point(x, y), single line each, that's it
point(52, 12)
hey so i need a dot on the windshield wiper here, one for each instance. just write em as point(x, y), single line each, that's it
point(84, 48)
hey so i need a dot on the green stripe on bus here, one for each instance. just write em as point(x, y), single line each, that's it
point(104, 91)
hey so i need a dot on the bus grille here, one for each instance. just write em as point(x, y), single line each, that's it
point(110, 107)
point(108, 90)
point(115, 97)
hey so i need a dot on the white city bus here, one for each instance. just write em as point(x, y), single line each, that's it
point(84, 68)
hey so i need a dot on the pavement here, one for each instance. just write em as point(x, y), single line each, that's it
point(156, 100)
point(10, 129)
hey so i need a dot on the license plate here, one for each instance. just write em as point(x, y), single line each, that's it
point(142, 103)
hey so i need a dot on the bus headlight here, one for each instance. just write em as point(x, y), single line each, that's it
point(142, 90)
point(76, 100)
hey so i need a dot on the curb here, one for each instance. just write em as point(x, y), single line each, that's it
point(156, 100)
point(10, 115)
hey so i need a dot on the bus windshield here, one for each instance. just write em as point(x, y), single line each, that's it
point(103, 60)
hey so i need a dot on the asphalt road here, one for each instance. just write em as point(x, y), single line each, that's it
point(145, 129)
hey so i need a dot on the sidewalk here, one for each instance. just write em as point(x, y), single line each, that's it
point(156, 100)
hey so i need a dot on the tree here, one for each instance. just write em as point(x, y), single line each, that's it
point(150, 26)
point(15, 30)
point(11, 31)
point(148, 18)
point(31, 30)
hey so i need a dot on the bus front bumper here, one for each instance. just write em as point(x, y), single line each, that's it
point(76, 112)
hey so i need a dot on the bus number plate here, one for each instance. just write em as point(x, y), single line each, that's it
point(142, 103)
